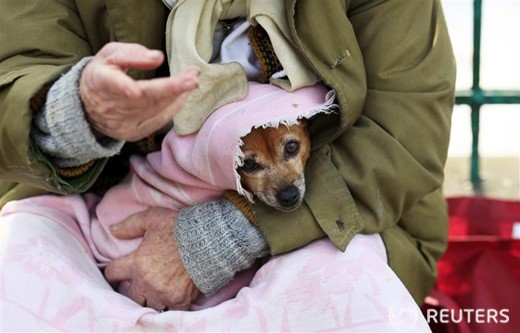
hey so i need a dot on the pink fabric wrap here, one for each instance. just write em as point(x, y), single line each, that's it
point(195, 168)
point(50, 282)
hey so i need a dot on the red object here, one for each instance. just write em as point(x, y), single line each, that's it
point(478, 287)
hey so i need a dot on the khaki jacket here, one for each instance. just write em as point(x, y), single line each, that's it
point(377, 167)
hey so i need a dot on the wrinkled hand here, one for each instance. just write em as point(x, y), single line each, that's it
point(122, 108)
point(157, 275)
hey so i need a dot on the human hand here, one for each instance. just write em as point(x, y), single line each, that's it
point(122, 108)
point(157, 276)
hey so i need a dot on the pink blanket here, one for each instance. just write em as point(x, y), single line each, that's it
point(195, 168)
point(50, 283)
point(315, 288)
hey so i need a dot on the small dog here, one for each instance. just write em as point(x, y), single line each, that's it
point(274, 162)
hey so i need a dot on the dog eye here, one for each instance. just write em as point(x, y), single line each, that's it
point(291, 148)
point(250, 165)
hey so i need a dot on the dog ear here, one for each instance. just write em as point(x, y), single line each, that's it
point(303, 122)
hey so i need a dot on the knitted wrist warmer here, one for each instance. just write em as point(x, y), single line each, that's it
point(61, 130)
point(215, 241)
point(242, 204)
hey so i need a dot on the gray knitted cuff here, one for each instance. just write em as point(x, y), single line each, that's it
point(61, 130)
point(216, 241)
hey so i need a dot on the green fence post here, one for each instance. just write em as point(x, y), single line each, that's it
point(476, 97)
point(475, 105)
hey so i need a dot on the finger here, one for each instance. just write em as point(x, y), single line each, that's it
point(189, 71)
point(136, 296)
point(118, 270)
point(170, 87)
point(150, 97)
point(131, 55)
point(151, 125)
point(101, 84)
point(182, 298)
point(178, 305)
point(155, 304)
point(158, 93)
point(133, 227)
point(115, 84)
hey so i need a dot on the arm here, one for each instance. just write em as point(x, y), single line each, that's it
point(391, 146)
point(61, 131)
point(101, 95)
point(384, 170)
point(35, 51)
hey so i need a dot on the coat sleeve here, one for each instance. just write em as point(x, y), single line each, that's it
point(382, 174)
point(40, 41)
point(394, 155)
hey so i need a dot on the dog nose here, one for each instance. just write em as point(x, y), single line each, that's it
point(288, 197)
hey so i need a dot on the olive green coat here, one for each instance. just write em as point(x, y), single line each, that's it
point(375, 167)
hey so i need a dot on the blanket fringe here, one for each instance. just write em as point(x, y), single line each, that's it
point(326, 108)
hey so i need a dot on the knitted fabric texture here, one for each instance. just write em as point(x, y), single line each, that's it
point(242, 204)
point(263, 49)
point(214, 244)
point(63, 133)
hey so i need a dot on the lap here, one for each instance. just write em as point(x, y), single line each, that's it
point(50, 282)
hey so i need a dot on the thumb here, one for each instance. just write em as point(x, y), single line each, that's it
point(119, 269)
point(133, 227)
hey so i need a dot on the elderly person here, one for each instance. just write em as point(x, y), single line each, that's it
point(75, 105)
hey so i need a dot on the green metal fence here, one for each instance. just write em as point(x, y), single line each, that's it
point(476, 97)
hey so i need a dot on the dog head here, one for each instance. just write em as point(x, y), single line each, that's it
point(274, 163)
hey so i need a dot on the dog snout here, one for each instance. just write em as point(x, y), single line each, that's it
point(288, 197)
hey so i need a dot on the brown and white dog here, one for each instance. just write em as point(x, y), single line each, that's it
point(274, 162)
